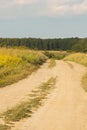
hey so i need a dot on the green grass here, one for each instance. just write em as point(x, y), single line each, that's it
point(15, 114)
point(52, 63)
point(58, 55)
point(26, 109)
point(80, 58)
point(16, 64)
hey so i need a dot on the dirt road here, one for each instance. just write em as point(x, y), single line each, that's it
point(64, 109)
point(14, 94)
point(66, 106)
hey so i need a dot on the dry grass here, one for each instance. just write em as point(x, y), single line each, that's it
point(4, 127)
point(80, 58)
point(16, 64)
point(84, 82)
point(52, 63)
point(25, 109)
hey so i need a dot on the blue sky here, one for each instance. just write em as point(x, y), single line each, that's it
point(43, 18)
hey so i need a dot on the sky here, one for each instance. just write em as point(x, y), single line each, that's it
point(43, 18)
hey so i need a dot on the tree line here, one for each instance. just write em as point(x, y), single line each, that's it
point(70, 44)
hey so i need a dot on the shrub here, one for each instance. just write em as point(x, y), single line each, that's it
point(55, 54)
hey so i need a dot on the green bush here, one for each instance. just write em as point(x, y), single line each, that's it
point(55, 54)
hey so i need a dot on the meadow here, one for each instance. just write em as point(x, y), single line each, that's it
point(16, 64)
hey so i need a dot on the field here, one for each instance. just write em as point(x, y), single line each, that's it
point(16, 64)
point(53, 93)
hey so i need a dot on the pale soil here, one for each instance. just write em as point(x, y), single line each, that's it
point(14, 94)
point(66, 106)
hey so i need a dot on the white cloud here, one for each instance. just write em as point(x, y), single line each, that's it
point(25, 1)
point(55, 7)
point(80, 8)
point(17, 8)
point(63, 7)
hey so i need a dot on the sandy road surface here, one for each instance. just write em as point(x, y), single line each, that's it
point(66, 106)
point(14, 94)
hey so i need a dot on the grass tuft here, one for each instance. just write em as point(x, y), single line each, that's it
point(4, 127)
point(52, 63)
point(25, 109)
point(84, 82)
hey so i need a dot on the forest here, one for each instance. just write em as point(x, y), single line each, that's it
point(65, 44)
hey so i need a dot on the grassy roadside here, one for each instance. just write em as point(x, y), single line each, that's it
point(27, 108)
point(80, 58)
point(16, 64)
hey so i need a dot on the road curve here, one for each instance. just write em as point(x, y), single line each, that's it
point(66, 106)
